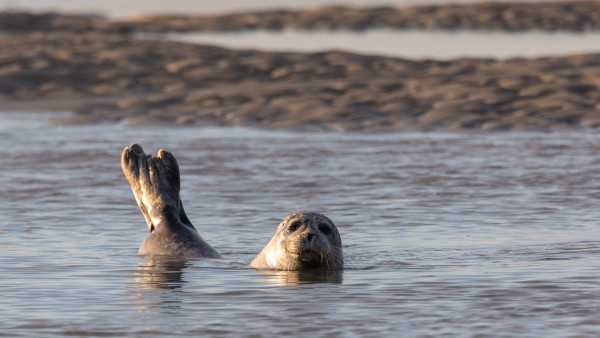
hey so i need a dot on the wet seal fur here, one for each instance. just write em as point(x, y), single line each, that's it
point(303, 241)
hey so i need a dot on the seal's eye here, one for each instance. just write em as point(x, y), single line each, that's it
point(294, 226)
point(324, 228)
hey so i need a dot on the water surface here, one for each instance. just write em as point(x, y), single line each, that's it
point(415, 44)
point(445, 234)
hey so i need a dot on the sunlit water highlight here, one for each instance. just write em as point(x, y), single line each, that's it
point(414, 44)
point(445, 234)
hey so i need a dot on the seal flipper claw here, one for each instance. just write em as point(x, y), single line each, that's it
point(137, 149)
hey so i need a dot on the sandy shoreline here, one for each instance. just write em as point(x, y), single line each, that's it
point(114, 77)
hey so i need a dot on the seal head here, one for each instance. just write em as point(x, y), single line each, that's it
point(303, 241)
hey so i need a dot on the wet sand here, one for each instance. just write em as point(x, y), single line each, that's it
point(110, 77)
point(117, 78)
point(551, 16)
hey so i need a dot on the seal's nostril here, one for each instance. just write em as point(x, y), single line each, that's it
point(310, 236)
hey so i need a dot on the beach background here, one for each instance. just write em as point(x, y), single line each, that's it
point(475, 66)
point(131, 8)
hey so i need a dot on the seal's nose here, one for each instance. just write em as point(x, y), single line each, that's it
point(310, 236)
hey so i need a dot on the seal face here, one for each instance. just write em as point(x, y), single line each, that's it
point(303, 241)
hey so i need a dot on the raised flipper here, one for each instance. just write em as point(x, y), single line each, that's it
point(155, 182)
point(156, 176)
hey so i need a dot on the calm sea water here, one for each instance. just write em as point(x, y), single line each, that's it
point(416, 44)
point(460, 235)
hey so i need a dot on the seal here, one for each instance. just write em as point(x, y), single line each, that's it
point(302, 241)
point(155, 182)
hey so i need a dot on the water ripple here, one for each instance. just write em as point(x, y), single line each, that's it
point(444, 234)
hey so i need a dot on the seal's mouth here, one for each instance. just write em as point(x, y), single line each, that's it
point(310, 259)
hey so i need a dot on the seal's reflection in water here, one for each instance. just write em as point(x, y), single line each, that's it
point(159, 283)
point(161, 272)
point(280, 278)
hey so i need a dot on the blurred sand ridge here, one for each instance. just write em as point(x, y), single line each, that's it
point(105, 73)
